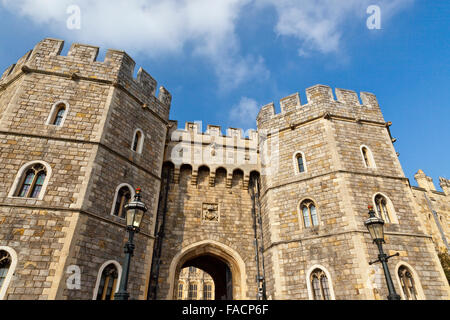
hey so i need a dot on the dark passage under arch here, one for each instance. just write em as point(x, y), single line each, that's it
point(218, 270)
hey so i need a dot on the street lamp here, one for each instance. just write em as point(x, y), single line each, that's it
point(375, 226)
point(135, 211)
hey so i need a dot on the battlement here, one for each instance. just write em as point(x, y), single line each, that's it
point(231, 151)
point(81, 63)
point(320, 100)
point(233, 138)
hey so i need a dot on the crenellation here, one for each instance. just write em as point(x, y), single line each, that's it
point(47, 48)
point(445, 185)
point(265, 113)
point(234, 132)
point(81, 63)
point(369, 99)
point(290, 103)
point(8, 71)
point(347, 96)
point(149, 84)
point(213, 130)
point(319, 94)
point(83, 52)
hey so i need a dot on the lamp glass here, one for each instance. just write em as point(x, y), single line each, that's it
point(376, 228)
point(139, 213)
point(130, 217)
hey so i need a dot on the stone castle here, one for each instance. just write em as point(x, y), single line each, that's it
point(278, 214)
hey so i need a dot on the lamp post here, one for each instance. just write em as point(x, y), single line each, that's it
point(135, 211)
point(375, 226)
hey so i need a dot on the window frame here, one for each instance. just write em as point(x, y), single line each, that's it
point(301, 216)
point(99, 277)
point(207, 285)
point(20, 179)
point(309, 286)
point(183, 285)
point(295, 161)
point(415, 277)
point(370, 159)
point(140, 143)
point(194, 283)
point(392, 214)
point(12, 267)
point(54, 112)
point(116, 194)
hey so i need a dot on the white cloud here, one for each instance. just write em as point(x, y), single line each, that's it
point(244, 113)
point(155, 28)
point(205, 28)
point(319, 25)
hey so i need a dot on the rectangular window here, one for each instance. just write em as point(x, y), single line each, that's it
point(301, 167)
point(207, 292)
point(192, 294)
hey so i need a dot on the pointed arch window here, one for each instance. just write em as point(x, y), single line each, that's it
point(122, 198)
point(138, 141)
point(367, 156)
point(32, 181)
point(382, 208)
point(58, 114)
point(309, 213)
point(108, 283)
point(320, 285)
point(407, 283)
point(5, 265)
point(8, 263)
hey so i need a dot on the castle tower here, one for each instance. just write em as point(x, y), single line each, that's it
point(77, 136)
point(322, 164)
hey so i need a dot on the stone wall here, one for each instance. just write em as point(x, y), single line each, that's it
point(88, 156)
point(330, 134)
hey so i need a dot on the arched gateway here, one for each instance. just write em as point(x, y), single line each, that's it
point(224, 265)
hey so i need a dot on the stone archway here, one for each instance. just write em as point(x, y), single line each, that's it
point(224, 265)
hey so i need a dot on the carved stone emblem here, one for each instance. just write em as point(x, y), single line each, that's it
point(210, 212)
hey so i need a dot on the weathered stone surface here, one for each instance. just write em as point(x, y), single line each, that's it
point(209, 208)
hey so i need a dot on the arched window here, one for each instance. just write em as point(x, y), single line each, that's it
point(407, 283)
point(309, 213)
point(320, 286)
point(58, 114)
point(299, 162)
point(108, 283)
point(180, 291)
point(192, 293)
point(138, 141)
point(122, 197)
point(32, 181)
point(5, 264)
point(8, 262)
point(207, 291)
point(367, 156)
point(381, 205)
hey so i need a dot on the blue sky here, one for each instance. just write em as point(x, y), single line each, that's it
point(222, 60)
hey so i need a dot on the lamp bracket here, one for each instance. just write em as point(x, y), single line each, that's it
point(387, 258)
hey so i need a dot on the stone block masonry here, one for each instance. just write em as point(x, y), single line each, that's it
point(334, 156)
